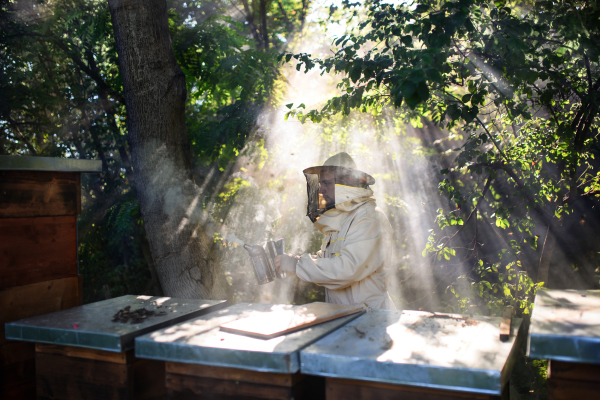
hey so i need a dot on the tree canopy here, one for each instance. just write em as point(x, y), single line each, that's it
point(520, 84)
point(513, 85)
point(61, 96)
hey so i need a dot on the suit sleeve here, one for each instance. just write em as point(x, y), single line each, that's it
point(362, 254)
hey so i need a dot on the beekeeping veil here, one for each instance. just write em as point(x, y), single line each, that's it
point(334, 183)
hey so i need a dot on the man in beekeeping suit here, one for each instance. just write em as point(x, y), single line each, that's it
point(356, 250)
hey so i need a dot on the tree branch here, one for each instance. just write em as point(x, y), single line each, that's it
point(303, 14)
point(489, 135)
point(109, 109)
point(263, 23)
point(92, 74)
point(14, 124)
point(588, 70)
point(82, 66)
point(473, 212)
point(251, 24)
point(288, 23)
point(498, 235)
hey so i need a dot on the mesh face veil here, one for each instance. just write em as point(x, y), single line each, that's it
point(320, 186)
point(317, 204)
point(312, 191)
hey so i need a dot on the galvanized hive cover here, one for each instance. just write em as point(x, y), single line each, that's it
point(565, 326)
point(200, 341)
point(92, 325)
point(442, 351)
point(25, 163)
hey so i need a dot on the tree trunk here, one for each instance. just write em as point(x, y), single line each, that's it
point(154, 284)
point(263, 24)
point(251, 25)
point(155, 93)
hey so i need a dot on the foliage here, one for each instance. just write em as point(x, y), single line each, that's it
point(522, 85)
point(231, 69)
point(528, 380)
point(61, 96)
point(111, 254)
point(228, 83)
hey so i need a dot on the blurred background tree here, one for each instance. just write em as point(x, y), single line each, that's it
point(61, 96)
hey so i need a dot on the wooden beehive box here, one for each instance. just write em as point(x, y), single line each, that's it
point(565, 330)
point(40, 199)
point(389, 354)
point(205, 361)
point(86, 353)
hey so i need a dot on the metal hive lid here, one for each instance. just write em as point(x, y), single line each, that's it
point(27, 163)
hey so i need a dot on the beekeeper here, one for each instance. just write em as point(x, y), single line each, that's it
point(356, 249)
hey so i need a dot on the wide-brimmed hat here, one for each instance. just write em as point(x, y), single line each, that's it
point(344, 163)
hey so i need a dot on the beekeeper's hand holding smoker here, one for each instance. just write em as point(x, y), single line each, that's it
point(356, 250)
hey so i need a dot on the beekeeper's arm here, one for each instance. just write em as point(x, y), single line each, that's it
point(363, 253)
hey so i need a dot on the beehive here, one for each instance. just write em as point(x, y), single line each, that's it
point(40, 199)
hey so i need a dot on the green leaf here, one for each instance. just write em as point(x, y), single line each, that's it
point(421, 8)
point(407, 40)
point(502, 223)
point(398, 100)
point(454, 112)
point(433, 75)
point(355, 72)
point(423, 91)
point(408, 88)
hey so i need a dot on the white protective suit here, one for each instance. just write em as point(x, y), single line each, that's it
point(356, 250)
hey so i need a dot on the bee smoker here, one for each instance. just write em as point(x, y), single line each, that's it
point(263, 260)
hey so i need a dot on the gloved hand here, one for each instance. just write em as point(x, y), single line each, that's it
point(287, 263)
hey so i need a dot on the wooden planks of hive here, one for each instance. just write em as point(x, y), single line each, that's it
point(567, 380)
point(40, 198)
point(39, 193)
point(190, 380)
point(37, 249)
point(96, 374)
point(17, 365)
point(342, 389)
